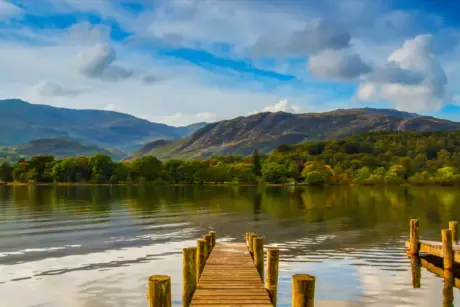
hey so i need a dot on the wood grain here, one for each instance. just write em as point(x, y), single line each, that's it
point(230, 279)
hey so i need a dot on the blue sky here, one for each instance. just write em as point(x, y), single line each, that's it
point(183, 61)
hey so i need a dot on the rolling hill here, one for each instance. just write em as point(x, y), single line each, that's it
point(22, 122)
point(266, 131)
point(58, 147)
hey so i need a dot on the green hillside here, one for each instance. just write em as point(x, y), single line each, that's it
point(57, 147)
point(265, 131)
point(22, 122)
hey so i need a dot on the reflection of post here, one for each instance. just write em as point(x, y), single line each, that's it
point(257, 206)
point(414, 237)
point(448, 290)
point(447, 252)
point(453, 227)
point(416, 271)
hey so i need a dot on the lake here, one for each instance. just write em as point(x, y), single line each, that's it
point(96, 246)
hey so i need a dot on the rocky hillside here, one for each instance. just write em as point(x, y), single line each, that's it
point(265, 131)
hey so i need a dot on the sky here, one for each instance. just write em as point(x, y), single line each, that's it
point(184, 61)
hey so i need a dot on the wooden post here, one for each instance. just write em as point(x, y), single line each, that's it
point(258, 247)
point(453, 226)
point(247, 238)
point(251, 242)
point(188, 274)
point(159, 291)
point(213, 239)
point(416, 271)
point(448, 289)
point(200, 258)
point(271, 284)
point(208, 240)
point(447, 251)
point(303, 290)
point(414, 237)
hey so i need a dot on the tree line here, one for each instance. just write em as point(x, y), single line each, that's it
point(366, 159)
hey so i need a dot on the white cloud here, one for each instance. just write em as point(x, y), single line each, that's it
point(53, 89)
point(110, 107)
point(281, 106)
point(206, 117)
point(417, 83)
point(337, 65)
point(97, 62)
point(8, 10)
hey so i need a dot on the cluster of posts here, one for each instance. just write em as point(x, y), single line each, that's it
point(443, 249)
point(194, 260)
point(449, 237)
point(303, 285)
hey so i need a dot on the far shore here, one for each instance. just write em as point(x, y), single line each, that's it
point(82, 184)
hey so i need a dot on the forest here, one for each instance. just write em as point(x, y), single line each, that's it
point(371, 158)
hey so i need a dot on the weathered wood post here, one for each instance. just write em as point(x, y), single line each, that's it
point(200, 258)
point(453, 226)
point(448, 289)
point(247, 238)
point(258, 247)
point(271, 284)
point(251, 243)
point(414, 237)
point(447, 251)
point(159, 291)
point(416, 270)
point(208, 240)
point(188, 274)
point(213, 239)
point(303, 290)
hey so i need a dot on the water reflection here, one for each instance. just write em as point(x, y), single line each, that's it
point(434, 265)
point(105, 241)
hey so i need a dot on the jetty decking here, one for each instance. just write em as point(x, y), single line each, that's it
point(447, 249)
point(435, 248)
point(230, 275)
point(230, 278)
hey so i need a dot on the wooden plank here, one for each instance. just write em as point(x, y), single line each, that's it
point(435, 248)
point(229, 279)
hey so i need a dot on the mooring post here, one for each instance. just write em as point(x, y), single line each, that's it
point(447, 251)
point(213, 239)
point(303, 290)
point(448, 289)
point(414, 237)
point(159, 291)
point(188, 274)
point(247, 238)
point(251, 243)
point(200, 258)
point(453, 226)
point(271, 284)
point(258, 247)
point(208, 240)
point(416, 271)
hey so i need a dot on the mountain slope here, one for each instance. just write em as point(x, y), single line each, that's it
point(21, 122)
point(265, 131)
point(58, 147)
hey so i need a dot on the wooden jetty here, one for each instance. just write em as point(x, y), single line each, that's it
point(447, 249)
point(230, 275)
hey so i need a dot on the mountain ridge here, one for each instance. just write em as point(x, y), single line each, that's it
point(22, 122)
point(265, 131)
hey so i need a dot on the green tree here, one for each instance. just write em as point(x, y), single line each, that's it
point(257, 164)
point(6, 172)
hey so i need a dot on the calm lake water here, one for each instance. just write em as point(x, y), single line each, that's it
point(96, 246)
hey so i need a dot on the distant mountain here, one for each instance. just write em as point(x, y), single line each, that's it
point(58, 147)
point(265, 131)
point(22, 122)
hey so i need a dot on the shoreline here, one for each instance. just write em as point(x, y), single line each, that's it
point(75, 184)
